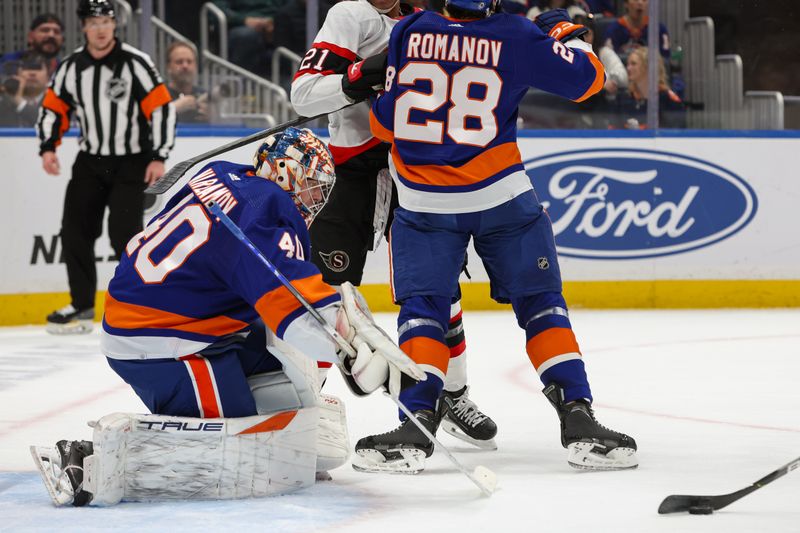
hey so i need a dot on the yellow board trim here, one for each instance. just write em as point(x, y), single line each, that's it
point(19, 309)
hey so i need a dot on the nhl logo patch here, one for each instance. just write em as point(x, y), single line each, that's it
point(337, 260)
point(543, 263)
point(116, 89)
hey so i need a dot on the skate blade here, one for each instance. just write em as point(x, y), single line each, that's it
point(48, 462)
point(453, 429)
point(412, 461)
point(587, 456)
point(76, 327)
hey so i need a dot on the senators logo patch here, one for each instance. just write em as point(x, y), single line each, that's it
point(337, 260)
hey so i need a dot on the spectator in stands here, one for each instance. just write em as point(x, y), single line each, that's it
point(46, 37)
point(251, 24)
point(22, 93)
point(190, 101)
point(631, 105)
point(616, 73)
point(607, 8)
point(573, 7)
point(630, 30)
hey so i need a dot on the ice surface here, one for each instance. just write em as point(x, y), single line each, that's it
point(710, 396)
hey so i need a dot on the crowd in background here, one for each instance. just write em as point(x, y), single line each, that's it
point(618, 34)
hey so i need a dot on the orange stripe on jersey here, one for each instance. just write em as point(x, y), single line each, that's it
point(279, 303)
point(156, 98)
point(55, 104)
point(551, 343)
point(204, 383)
point(273, 423)
point(131, 316)
point(378, 130)
point(483, 166)
point(426, 351)
point(599, 78)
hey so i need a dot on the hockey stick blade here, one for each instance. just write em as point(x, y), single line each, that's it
point(482, 477)
point(679, 503)
point(174, 174)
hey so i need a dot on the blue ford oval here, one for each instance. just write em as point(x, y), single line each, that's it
point(630, 204)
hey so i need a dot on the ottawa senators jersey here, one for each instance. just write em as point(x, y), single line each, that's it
point(186, 282)
point(352, 31)
point(450, 106)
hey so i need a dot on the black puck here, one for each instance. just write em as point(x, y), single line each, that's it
point(701, 509)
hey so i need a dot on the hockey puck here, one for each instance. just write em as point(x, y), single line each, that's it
point(701, 509)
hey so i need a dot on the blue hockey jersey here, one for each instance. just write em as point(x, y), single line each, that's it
point(186, 282)
point(450, 105)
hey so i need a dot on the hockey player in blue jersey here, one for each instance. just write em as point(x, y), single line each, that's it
point(201, 329)
point(453, 84)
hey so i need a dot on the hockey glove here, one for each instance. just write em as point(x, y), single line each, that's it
point(365, 78)
point(379, 359)
point(557, 24)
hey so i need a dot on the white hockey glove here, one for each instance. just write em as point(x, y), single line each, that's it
point(378, 358)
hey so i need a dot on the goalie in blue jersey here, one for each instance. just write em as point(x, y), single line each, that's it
point(223, 355)
point(453, 85)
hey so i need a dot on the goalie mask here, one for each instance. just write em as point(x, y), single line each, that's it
point(300, 164)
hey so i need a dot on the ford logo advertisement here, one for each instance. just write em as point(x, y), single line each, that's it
point(631, 204)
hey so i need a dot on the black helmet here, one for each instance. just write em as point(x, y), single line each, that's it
point(95, 8)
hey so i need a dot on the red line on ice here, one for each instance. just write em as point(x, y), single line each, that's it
point(515, 376)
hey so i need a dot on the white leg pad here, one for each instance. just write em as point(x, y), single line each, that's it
point(333, 443)
point(153, 457)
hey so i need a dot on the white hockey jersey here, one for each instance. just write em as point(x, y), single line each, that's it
point(352, 31)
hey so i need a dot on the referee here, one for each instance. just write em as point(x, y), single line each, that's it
point(127, 128)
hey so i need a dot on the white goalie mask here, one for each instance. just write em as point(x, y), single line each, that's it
point(300, 164)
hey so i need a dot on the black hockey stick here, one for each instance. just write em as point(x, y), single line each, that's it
point(708, 504)
point(482, 477)
point(174, 174)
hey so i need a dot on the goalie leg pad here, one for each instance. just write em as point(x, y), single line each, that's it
point(153, 457)
point(333, 443)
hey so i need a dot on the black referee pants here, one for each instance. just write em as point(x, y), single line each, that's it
point(97, 182)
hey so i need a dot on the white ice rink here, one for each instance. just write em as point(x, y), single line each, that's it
point(710, 396)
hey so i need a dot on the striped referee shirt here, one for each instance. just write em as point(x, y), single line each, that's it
point(121, 102)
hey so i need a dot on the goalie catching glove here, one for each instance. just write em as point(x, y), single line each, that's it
point(558, 24)
point(379, 360)
point(365, 78)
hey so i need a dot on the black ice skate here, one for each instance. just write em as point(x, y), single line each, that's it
point(62, 471)
point(591, 445)
point(462, 419)
point(68, 320)
point(400, 451)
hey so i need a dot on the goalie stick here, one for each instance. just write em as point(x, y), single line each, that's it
point(482, 477)
point(174, 174)
point(678, 503)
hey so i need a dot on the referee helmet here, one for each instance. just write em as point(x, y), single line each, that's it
point(95, 8)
